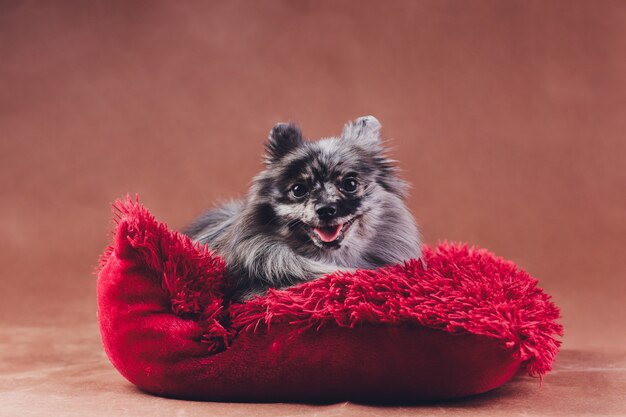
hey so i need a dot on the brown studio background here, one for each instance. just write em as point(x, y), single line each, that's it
point(508, 118)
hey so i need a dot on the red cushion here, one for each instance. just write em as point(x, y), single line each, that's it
point(465, 325)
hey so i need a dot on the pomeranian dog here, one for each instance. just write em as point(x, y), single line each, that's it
point(317, 208)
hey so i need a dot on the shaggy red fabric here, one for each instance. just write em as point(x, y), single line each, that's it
point(464, 325)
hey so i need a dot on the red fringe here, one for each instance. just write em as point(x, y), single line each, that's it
point(189, 273)
point(463, 289)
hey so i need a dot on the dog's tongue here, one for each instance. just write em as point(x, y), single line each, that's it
point(328, 234)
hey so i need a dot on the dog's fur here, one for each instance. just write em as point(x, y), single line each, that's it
point(351, 216)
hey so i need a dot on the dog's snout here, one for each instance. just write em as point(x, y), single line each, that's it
point(326, 211)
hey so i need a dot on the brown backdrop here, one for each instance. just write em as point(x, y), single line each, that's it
point(508, 118)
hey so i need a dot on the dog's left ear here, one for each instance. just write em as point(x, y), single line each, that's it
point(364, 131)
point(283, 138)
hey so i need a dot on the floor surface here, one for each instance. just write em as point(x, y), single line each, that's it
point(62, 371)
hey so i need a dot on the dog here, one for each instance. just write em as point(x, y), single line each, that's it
point(318, 207)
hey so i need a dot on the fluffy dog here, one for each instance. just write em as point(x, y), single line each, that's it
point(318, 207)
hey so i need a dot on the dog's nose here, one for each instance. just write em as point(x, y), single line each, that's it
point(327, 211)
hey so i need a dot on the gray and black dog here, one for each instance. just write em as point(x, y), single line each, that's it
point(318, 207)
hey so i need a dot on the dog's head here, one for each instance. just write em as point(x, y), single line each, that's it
point(322, 195)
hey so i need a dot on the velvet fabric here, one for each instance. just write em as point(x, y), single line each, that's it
point(464, 324)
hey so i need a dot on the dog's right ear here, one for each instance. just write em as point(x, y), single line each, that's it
point(364, 131)
point(283, 138)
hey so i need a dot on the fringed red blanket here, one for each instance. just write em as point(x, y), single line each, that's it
point(465, 324)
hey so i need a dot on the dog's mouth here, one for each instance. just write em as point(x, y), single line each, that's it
point(330, 236)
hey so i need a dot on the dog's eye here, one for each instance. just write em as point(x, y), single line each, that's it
point(349, 185)
point(299, 190)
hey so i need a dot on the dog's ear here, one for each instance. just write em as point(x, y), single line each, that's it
point(283, 138)
point(364, 131)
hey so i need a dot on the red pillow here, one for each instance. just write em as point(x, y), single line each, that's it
point(465, 325)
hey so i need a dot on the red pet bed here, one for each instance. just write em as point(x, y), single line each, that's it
point(465, 325)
